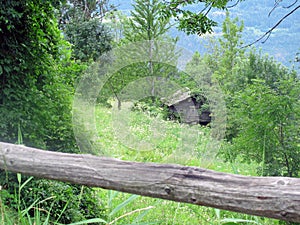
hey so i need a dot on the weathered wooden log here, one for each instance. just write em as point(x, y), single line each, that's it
point(273, 197)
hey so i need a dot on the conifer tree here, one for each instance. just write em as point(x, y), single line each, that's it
point(145, 24)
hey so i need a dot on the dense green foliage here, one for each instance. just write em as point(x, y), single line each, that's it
point(190, 21)
point(89, 39)
point(263, 104)
point(81, 23)
point(267, 113)
point(37, 86)
point(66, 203)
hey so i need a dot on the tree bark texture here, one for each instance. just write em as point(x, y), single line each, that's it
point(273, 197)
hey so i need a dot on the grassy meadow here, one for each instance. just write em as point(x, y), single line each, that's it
point(127, 137)
point(161, 211)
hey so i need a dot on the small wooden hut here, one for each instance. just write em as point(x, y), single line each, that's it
point(184, 106)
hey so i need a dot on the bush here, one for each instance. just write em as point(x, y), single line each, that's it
point(66, 203)
point(37, 86)
point(268, 127)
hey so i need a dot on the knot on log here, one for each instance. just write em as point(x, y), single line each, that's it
point(168, 190)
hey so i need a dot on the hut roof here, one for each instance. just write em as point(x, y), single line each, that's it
point(179, 96)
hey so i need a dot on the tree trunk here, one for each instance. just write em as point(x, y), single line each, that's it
point(274, 197)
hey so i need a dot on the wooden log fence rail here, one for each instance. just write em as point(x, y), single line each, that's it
point(273, 197)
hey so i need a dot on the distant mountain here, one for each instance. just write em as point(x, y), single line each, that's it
point(283, 43)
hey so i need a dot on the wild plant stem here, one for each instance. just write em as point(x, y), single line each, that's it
point(130, 213)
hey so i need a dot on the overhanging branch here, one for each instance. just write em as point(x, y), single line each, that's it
point(269, 32)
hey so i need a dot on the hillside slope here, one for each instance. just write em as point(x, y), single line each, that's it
point(283, 43)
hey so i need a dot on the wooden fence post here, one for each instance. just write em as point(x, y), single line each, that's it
point(273, 197)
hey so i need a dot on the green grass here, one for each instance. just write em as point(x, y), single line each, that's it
point(169, 143)
point(166, 212)
point(140, 137)
point(173, 213)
